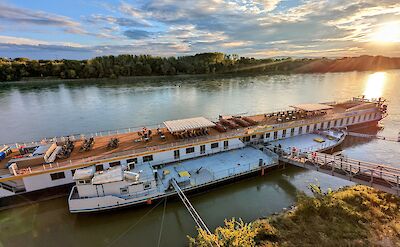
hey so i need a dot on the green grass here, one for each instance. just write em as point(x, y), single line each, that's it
point(352, 216)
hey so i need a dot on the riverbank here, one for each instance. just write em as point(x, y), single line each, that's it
point(352, 216)
point(216, 63)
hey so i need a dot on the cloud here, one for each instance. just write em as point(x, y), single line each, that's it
point(137, 34)
point(25, 16)
point(254, 28)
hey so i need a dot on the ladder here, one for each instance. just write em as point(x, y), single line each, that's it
point(196, 217)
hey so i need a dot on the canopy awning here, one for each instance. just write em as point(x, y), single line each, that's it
point(188, 124)
point(312, 107)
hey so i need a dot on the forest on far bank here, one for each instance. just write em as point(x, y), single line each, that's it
point(204, 63)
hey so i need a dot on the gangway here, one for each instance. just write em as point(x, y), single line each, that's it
point(383, 177)
point(196, 217)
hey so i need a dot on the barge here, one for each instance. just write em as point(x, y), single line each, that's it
point(133, 166)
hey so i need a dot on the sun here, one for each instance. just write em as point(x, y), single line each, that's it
point(387, 33)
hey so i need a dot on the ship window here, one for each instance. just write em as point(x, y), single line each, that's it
point(347, 121)
point(124, 190)
point(134, 160)
point(268, 135)
point(375, 115)
point(203, 149)
point(275, 135)
point(359, 118)
point(58, 175)
point(315, 127)
point(73, 172)
point(177, 154)
point(300, 130)
point(365, 116)
point(308, 128)
point(226, 144)
point(147, 185)
point(147, 158)
point(214, 145)
point(329, 125)
point(341, 122)
point(116, 163)
point(99, 167)
point(322, 126)
point(292, 132)
point(262, 136)
point(253, 136)
point(190, 150)
point(353, 120)
point(335, 123)
point(283, 133)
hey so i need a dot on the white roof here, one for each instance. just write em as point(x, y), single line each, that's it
point(188, 124)
point(312, 107)
point(111, 175)
point(84, 173)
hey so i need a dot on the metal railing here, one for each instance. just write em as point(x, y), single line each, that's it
point(370, 173)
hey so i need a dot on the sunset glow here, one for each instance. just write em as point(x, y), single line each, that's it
point(387, 33)
point(374, 85)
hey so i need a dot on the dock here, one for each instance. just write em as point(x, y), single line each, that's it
point(379, 176)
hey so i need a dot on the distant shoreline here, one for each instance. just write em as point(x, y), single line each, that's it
point(214, 64)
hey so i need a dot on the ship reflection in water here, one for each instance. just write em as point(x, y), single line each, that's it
point(374, 85)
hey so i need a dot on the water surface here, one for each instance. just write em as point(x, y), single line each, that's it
point(33, 111)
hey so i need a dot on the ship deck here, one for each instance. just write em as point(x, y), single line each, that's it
point(129, 144)
point(218, 166)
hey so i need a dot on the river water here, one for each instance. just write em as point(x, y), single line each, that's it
point(48, 109)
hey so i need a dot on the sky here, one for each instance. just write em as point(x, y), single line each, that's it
point(49, 29)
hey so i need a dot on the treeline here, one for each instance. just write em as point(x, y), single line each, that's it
point(141, 65)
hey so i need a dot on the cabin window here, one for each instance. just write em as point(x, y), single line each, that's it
point(283, 133)
point(315, 127)
point(99, 168)
point(190, 150)
point(147, 185)
point(335, 123)
point(253, 136)
point(116, 163)
point(359, 118)
point(341, 122)
point(365, 116)
point(147, 158)
point(322, 126)
point(300, 130)
point(262, 136)
point(202, 149)
point(329, 125)
point(58, 175)
point(124, 191)
point(214, 145)
point(375, 115)
point(246, 139)
point(73, 172)
point(347, 121)
point(226, 144)
point(308, 128)
point(268, 135)
point(176, 154)
point(292, 132)
point(275, 135)
point(130, 161)
point(369, 116)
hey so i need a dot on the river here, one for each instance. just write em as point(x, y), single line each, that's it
point(47, 109)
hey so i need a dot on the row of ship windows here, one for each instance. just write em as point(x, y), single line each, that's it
point(327, 125)
point(147, 158)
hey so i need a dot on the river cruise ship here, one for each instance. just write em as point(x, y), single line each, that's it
point(137, 165)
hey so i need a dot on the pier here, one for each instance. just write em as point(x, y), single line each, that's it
point(379, 176)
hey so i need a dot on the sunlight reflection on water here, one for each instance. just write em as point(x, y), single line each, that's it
point(375, 85)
